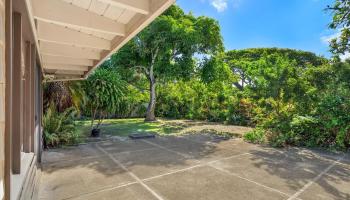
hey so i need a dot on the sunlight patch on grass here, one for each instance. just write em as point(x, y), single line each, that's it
point(124, 127)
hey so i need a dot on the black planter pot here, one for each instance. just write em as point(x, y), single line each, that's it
point(95, 132)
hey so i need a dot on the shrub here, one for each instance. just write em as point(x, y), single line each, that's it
point(256, 136)
point(106, 95)
point(59, 128)
point(343, 138)
point(333, 111)
point(305, 130)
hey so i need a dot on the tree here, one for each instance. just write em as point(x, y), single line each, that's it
point(215, 69)
point(104, 90)
point(275, 76)
point(341, 22)
point(165, 50)
point(250, 65)
point(64, 95)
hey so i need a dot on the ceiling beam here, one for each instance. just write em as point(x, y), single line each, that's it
point(69, 72)
point(59, 34)
point(57, 79)
point(49, 59)
point(55, 49)
point(139, 6)
point(61, 77)
point(65, 67)
point(65, 14)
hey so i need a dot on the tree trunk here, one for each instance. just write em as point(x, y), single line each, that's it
point(150, 116)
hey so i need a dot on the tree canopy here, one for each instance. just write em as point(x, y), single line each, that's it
point(341, 22)
point(166, 50)
point(269, 72)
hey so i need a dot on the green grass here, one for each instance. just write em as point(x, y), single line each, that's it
point(256, 136)
point(124, 127)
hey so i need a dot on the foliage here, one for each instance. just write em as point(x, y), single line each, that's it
point(263, 69)
point(165, 51)
point(215, 69)
point(323, 121)
point(132, 105)
point(195, 100)
point(294, 97)
point(59, 127)
point(104, 90)
point(64, 95)
point(256, 136)
point(341, 22)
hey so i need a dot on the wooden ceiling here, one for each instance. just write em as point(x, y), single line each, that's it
point(74, 37)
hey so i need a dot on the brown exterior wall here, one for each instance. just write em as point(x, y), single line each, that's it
point(2, 97)
point(14, 23)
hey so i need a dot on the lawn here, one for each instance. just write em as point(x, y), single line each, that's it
point(124, 127)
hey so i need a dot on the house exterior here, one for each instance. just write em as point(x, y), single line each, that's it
point(52, 40)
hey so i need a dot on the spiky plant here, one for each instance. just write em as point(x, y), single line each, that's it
point(64, 95)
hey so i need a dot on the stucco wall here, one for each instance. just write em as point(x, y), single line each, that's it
point(2, 95)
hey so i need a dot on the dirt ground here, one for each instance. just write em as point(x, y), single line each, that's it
point(189, 126)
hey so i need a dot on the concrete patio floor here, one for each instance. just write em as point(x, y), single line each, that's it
point(192, 167)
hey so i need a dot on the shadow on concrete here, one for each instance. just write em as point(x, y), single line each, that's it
point(130, 152)
point(293, 167)
point(298, 166)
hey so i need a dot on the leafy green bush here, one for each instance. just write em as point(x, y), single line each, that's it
point(104, 90)
point(305, 130)
point(216, 101)
point(333, 111)
point(134, 104)
point(59, 128)
point(256, 136)
point(326, 125)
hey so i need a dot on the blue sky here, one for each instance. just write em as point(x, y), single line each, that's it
point(297, 24)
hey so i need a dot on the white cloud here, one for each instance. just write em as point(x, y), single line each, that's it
point(219, 5)
point(223, 5)
point(327, 38)
point(345, 56)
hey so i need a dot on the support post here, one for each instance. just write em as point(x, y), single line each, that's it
point(8, 97)
point(33, 99)
point(17, 94)
point(27, 104)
